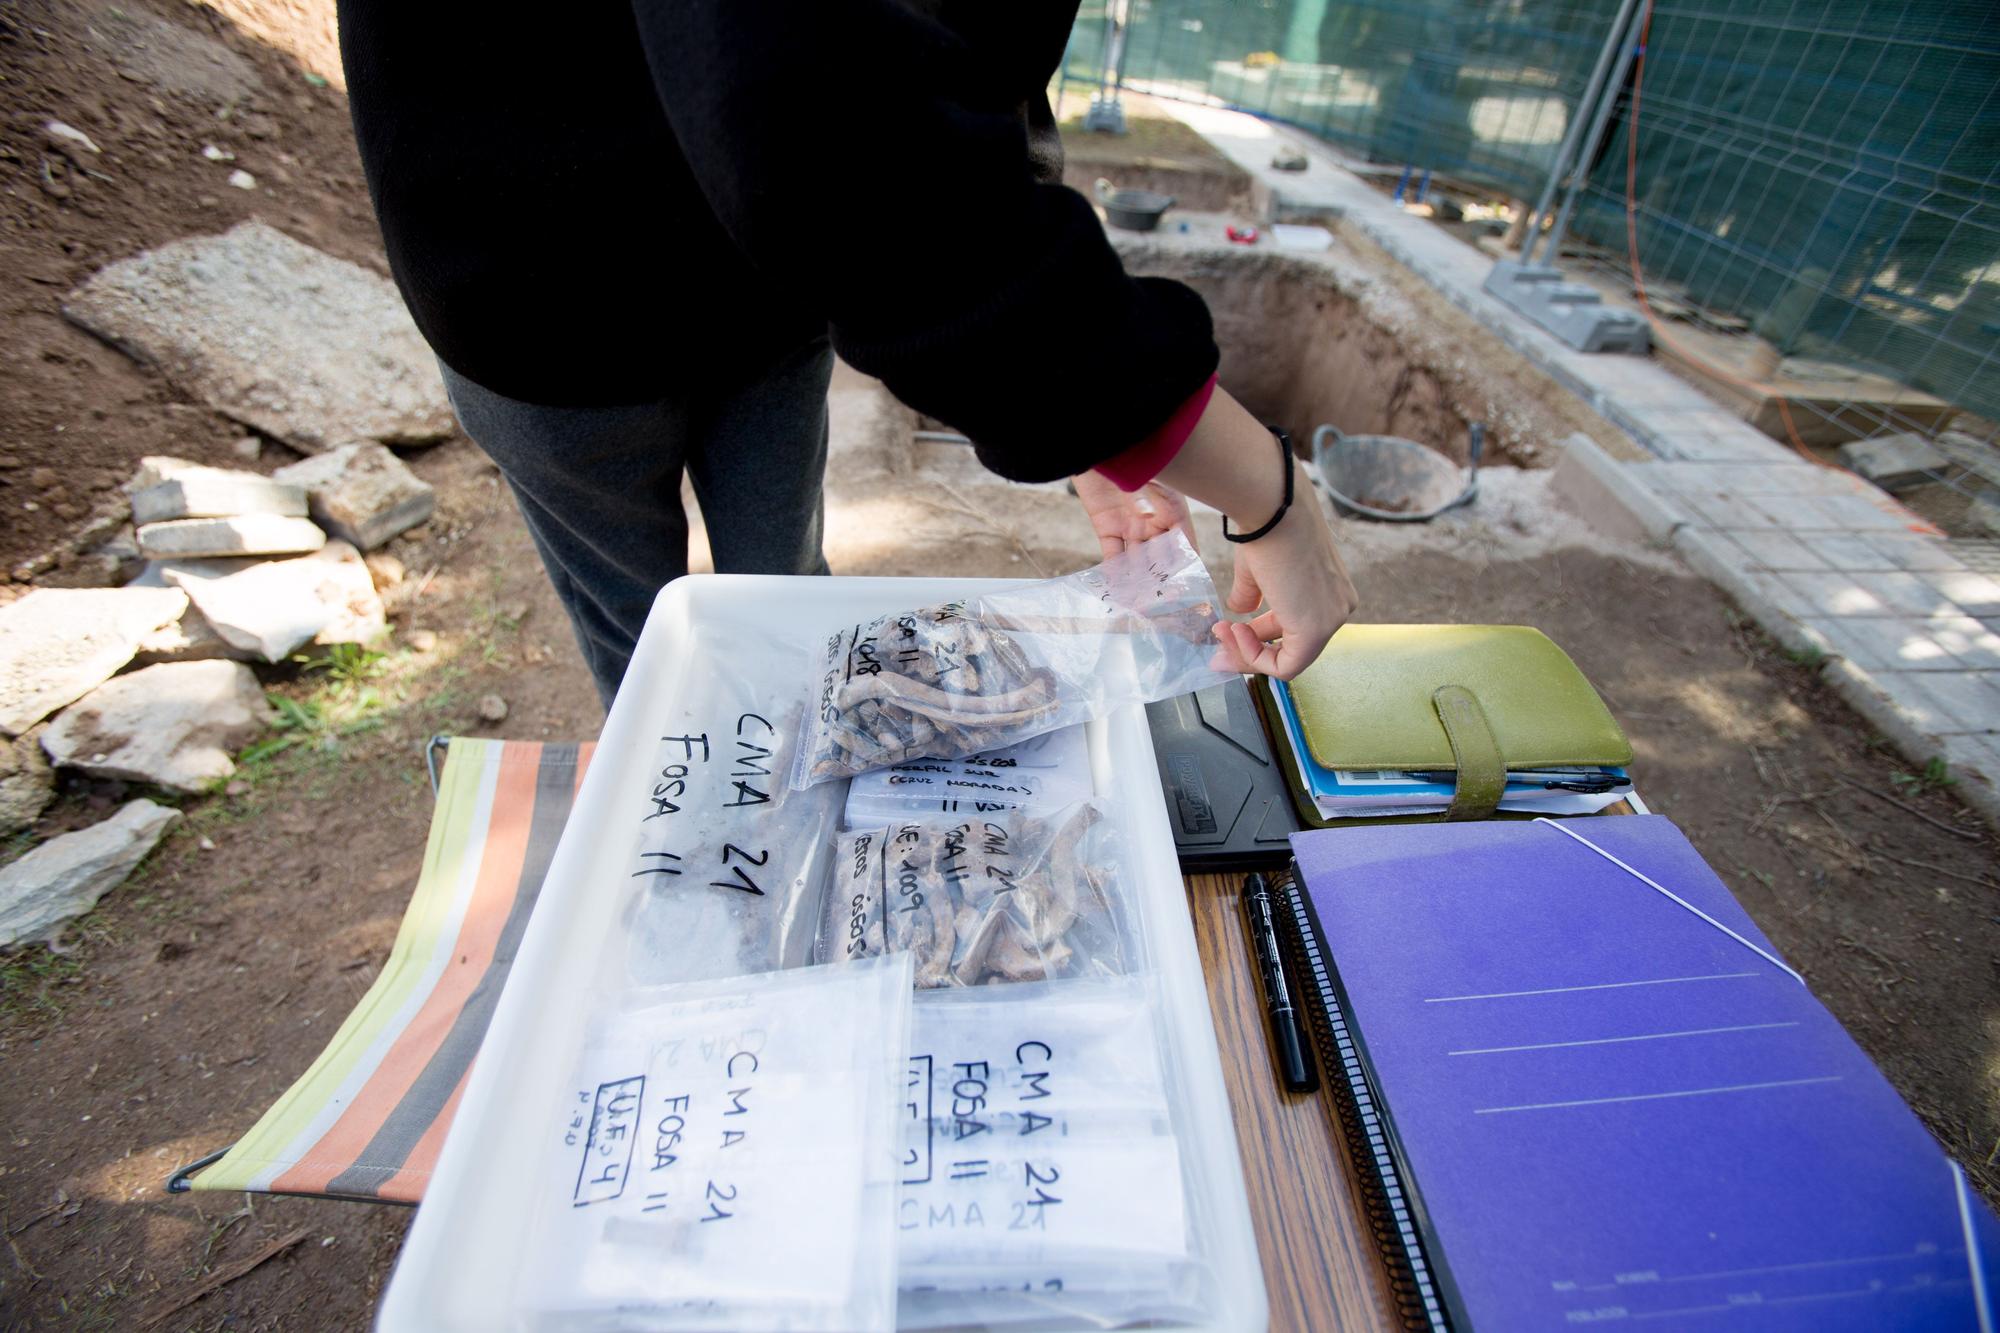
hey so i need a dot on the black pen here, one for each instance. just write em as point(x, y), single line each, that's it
point(1286, 1043)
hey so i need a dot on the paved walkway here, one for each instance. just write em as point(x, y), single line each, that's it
point(1826, 563)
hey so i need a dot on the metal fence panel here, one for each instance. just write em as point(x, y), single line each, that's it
point(1825, 170)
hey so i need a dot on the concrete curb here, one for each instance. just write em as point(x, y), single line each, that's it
point(1586, 470)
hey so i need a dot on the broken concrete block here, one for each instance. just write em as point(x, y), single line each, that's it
point(273, 608)
point(156, 468)
point(346, 585)
point(27, 783)
point(301, 346)
point(111, 563)
point(189, 639)
point(172, 725)
point(64, 877)
point(243, 534)
point(1984, 514)
point(58, 644)
point(153, 574)
point(362, 493)
point(267, 612)
point(1893, 462)
point(213, 492)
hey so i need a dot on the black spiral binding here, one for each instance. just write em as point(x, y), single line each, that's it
point(1382, 1193)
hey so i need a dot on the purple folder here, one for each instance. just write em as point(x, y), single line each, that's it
point(1609, 1107)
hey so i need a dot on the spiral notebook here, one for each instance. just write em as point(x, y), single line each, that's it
point(1594, 1093)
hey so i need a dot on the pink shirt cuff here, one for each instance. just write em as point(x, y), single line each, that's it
point(1145, 460)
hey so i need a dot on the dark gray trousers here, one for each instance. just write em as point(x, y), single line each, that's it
point(600, 488)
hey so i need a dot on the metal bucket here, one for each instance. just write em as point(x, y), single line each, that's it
point(1134, 210)
point(1394, 480)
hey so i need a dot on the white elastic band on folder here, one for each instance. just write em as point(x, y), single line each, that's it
point(1652, 883)
point(1981, 1302)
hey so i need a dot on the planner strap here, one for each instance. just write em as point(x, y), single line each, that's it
point(1481, 773)
point(1654, 884)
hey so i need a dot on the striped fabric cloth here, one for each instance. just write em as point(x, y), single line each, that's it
point(367, 1119)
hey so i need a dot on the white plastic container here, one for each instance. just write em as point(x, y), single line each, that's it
point(458, 1261)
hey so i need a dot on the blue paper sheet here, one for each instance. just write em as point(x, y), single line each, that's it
point(1613, 1112)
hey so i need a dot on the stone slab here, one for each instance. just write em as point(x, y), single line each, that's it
point(284, 338)
point(27, 783)
point(271, 609)
point(65, 876)
point(362, 493)
point(1893, 462)
point(216, 493)
point(243, 534)
point(58, 644)
point(174, 725)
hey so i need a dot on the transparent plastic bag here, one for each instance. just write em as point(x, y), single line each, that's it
point(710, 1128)
point(1005, 897)
point(1040, 774)
point(965, 677)
point(730, 859)
point(1042, 1178)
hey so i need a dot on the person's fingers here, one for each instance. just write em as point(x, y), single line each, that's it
point(1227, 657)
point(1259, 656)
point(1261, 645)
point(1244, 594)
point(1110, 545)
point(1244, 650)
point(1266, 627)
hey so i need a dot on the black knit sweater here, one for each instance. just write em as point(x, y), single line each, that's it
point(611, 201)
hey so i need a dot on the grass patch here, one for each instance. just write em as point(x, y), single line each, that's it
point(1936, 776)
point(496, 625)
point(28, 975)
point(346, 700)
point(1811, 656)
point(36, 982)
point(1159, 140)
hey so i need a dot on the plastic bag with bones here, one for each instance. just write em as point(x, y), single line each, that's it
point(959, 678)
point(1005, 896)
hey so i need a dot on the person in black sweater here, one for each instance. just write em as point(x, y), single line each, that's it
point(635, 232)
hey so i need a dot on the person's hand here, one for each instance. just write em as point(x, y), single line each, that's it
point(1296, 572)
point(1125, 518)
point(1230, 461)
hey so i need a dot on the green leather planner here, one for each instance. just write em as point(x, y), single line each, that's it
point(1476, 700)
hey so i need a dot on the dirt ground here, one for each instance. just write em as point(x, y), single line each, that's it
point(195, 993)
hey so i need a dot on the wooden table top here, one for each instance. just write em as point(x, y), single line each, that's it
point(1322, 1267)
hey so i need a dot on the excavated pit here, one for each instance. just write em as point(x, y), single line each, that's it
point(1319, 340)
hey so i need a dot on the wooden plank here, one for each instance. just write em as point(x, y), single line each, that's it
point(1826, 411)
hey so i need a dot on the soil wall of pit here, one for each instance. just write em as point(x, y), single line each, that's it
point(1307, 342)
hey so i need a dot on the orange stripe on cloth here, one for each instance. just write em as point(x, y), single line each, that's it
point(492, 898)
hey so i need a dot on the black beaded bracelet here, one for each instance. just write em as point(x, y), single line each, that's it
point(1285, 452)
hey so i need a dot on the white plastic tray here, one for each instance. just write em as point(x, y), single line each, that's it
point(458, 1261)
